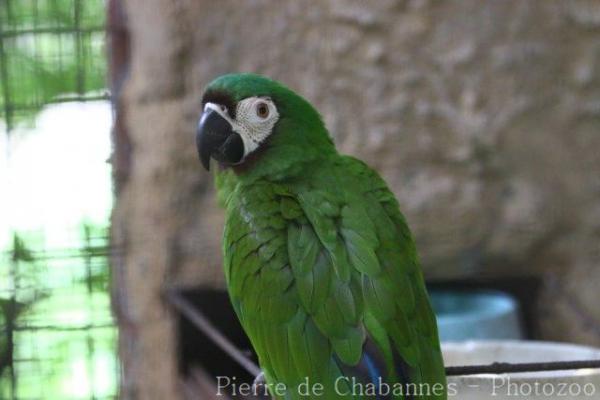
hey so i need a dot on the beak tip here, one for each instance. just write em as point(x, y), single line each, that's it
point(205, 160)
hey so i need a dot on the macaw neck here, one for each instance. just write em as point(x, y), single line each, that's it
point(278, 166)
point(293, 168)
point(284, 157)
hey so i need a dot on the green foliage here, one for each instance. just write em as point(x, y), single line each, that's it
point(52, 50)
point(54, 315)
point(54, 304)
point(19, 251)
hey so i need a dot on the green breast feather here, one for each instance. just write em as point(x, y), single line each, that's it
point(323, 275)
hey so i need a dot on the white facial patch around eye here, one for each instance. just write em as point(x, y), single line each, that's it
point(255, 119)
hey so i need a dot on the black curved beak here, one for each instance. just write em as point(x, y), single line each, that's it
point(215, 138)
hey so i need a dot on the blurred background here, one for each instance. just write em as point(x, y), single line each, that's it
point(57, 334)
point(484, 118)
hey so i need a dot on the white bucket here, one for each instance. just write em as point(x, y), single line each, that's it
point(574, 384)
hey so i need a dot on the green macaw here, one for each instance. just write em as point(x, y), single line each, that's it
point(320, 264)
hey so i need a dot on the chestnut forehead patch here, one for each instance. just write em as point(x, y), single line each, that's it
point(221, 98)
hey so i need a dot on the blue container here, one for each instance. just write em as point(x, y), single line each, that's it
point(466, 315)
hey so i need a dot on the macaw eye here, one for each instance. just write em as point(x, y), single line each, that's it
point(262, 110)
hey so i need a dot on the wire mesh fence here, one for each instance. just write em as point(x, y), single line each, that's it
point(57, 335)
point(50, 51)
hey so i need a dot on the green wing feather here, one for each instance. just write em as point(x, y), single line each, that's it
point(316, 267)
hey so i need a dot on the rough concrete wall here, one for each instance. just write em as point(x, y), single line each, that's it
point(484, 117)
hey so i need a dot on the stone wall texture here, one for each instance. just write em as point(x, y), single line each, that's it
point(484, 117)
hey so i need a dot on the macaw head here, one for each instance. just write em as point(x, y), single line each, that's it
point(248, 119)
